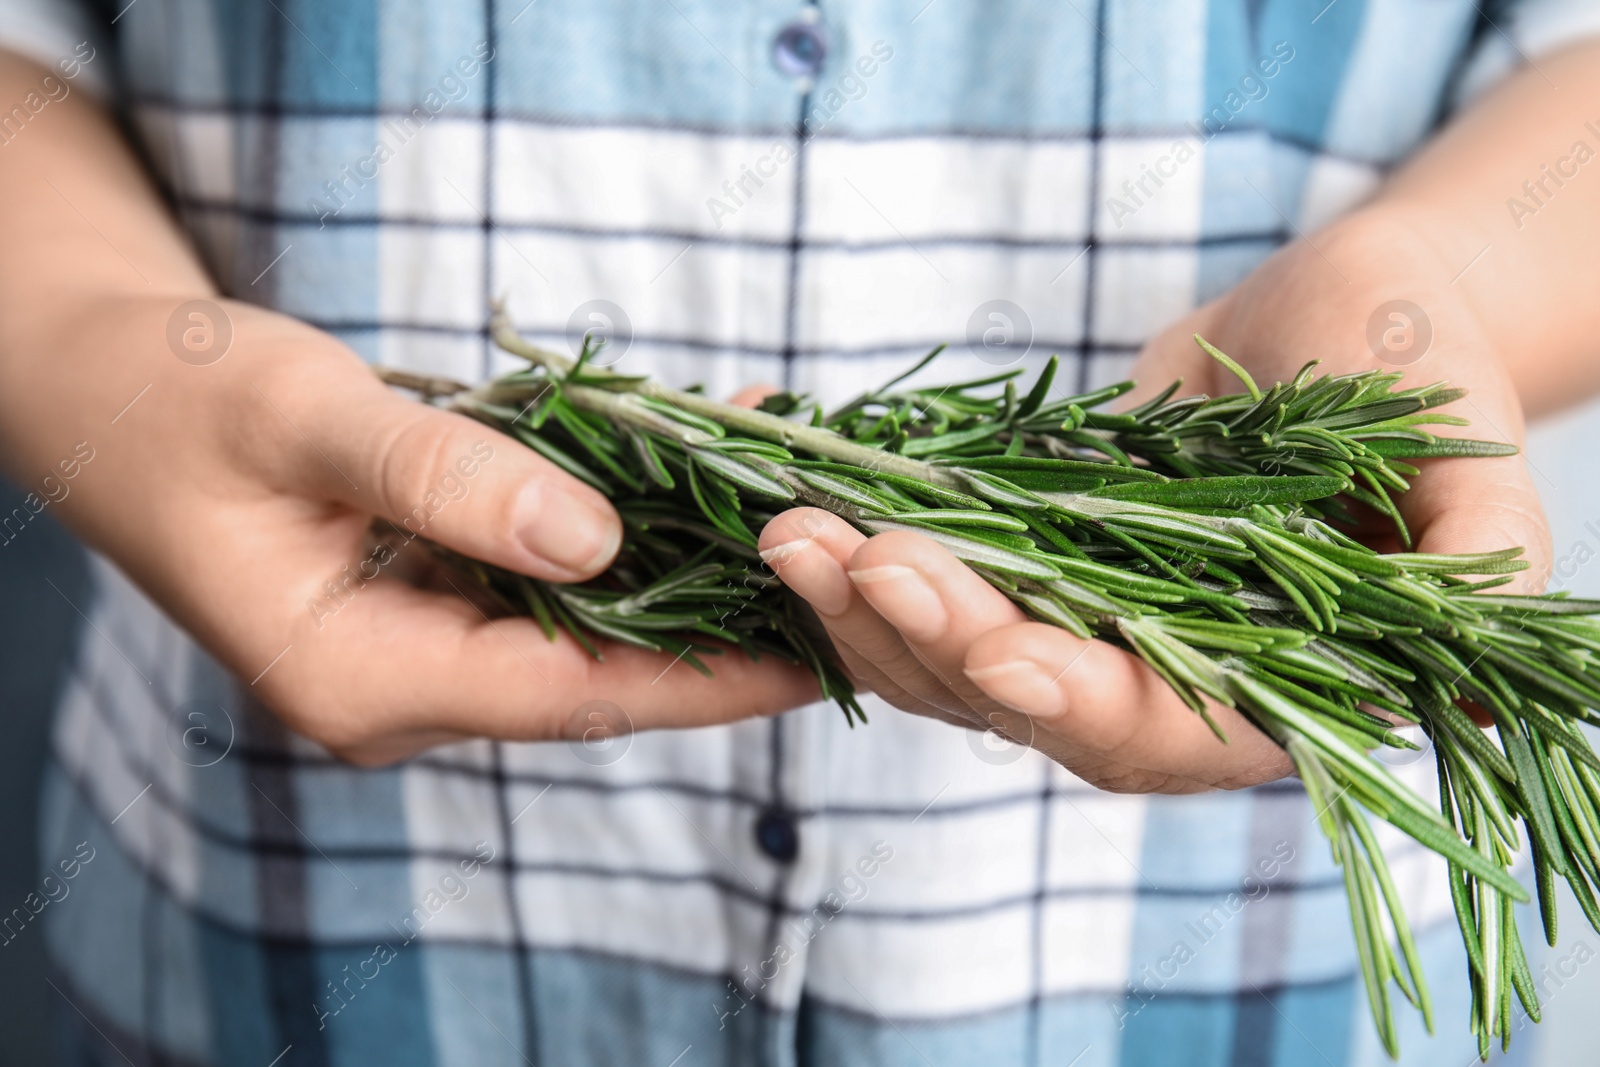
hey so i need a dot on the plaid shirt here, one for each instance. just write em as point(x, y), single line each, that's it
point(737, 193)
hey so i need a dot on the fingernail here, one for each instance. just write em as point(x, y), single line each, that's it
point(565, 529)
point(1021, 684)
point(891, 573)
point(903, 597)
point(785, 552)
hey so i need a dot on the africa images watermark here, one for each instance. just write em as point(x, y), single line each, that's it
point(1253, 87)
point(1565, 568)
point(452, 888)
point(849, 86)
point(50, 90)
point(1537, 193)
point(55, 890)
point(1202, 931)
point(52, 490)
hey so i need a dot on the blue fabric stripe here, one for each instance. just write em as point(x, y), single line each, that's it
point(1411, 48)
point(474, 1014)
point(420, 43)
point(99, 921)
point(968, 64)
point(1155, 65)
point(613, 59)
point(334, 277)
point(241, 45)
point(243, 1029)
point(1304, 93)
point(842, 1038)
point(176, 966)
point(1214, 831)
point(377, 996)
point(666, 1012)
point(1313, 1021)
point(1196, 1031)
point(259, 996)
point(330, 51)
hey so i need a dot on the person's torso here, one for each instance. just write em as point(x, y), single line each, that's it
point(743, 193)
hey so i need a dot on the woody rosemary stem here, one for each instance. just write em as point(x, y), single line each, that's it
point(748, 421)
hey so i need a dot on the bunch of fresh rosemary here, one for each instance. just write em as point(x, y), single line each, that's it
point(1200, 533)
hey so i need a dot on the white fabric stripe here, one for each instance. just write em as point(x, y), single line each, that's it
point(1333, 187)
point(714, 293)
point(436, 171)
point(910, 188)
point(1150, 188)
point(1095, 839)
point(1140, 290)
point(1086, 948)
point(862, 767)
point(642, 179)
point(873, 299)
point(626, 180)
point(968, 965)
point(655, 924)
point(430, 276)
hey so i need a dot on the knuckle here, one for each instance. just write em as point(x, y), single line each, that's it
point(894, 545)
point(411, 455)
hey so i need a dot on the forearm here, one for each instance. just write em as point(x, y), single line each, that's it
point(1531, 273)
point(84, 234)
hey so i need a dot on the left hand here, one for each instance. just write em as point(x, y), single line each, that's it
point(930, 636)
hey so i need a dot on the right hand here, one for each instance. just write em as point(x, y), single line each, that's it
point(232, 492)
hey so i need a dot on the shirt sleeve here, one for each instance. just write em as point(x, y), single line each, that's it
point(1521, 32)
point(57, 32)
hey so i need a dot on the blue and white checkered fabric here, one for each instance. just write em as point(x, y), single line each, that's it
point(786, 891)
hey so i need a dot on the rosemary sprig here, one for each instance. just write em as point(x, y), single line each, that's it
point(1200, 533)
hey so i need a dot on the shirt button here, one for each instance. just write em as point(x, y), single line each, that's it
point(777, 835)
point(801, 47)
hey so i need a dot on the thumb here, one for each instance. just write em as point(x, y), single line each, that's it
point(1481, 505)
point(1477, 504)
point(751, 396)
point(458, 482)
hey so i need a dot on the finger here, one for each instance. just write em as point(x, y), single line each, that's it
point(451, 479)
point(1172, 355)
point(809, 548)
point(1475, 504)
point(413, 667)
point(751, 396)
point(937, 604)
point(869, 677)
point(1105, 704)
point(1481, 505)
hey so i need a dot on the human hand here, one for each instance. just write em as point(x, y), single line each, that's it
point(917, 626)
point(1338, 299)
point(235, 492)
point(925, 632)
